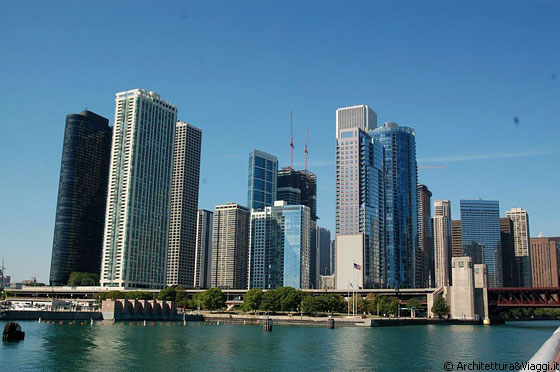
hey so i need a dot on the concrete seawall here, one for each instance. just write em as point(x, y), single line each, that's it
point(49, 315)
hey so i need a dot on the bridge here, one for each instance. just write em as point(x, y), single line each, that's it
point(529, 297)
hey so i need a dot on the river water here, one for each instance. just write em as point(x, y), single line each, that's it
point(204, 347)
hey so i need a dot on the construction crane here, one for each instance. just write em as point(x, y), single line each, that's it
point(291, 141)
point(305, 151)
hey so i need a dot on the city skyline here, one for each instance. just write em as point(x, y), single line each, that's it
point(508, 102)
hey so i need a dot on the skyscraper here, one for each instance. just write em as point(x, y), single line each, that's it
point(262, 184)
point(425, 253)
point(456, 239)
point(230, 244)
point(360, 248)
point(82, 194)
point(184, 205)
point(480, 230)
point(299, 187)
point(510, 276)
point(521, 235)
point(442, 242)
point(545, 257)
point(323, 252)
point(401, 203)
point(137, 217)
point(203, 252)
point(280, 247)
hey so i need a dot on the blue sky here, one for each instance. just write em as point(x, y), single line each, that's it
point(459, 72)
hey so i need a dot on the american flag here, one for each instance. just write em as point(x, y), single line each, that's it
point(356, 266)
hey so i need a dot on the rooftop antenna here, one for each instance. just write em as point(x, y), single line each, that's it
point(305, 151)
point(291, 141)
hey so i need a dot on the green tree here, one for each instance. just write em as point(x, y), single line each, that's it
point(180, 296)
point(412, 304)
point(361, 305)
point(138, 295)
point(213, 299)
point(78, 278)
point(167, 294)
point(310, 304)
point(440, 308)
point(252, 300)
point(290, 298)
point(271, 301)
point(331, 303)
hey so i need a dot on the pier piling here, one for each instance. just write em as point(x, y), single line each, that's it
point(267, 325)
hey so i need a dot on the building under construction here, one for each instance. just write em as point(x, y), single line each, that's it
point(298, 187)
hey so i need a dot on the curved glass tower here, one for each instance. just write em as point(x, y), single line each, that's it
point(401, 204)
point(82, 194)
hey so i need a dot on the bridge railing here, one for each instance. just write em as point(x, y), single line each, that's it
point(548, 354)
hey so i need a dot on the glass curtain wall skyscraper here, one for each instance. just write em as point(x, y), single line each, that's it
point(137, 217)
point(280, 247)
point(480, 233)
point(184, 205)
point(82, 196)
point(299, 187)
point(262, 182)
point(360, 252)
point(401, 203)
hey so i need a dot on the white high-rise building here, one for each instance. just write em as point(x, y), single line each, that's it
point(184, 205)
point(230, 246)
point(360, 248)
point(520, 220)
point(137, 218)
point(441, 223)
point(521, 241)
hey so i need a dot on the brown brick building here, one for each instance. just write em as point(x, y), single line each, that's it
point(545, 255)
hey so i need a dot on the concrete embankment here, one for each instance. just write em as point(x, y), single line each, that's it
point(49, 315)
point(339, 321)
point(87, 315)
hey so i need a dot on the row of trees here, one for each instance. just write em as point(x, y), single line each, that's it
point(282, 299)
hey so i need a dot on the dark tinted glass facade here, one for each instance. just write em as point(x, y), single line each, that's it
point(480, 233)
point(82, 193)
point(298, 187)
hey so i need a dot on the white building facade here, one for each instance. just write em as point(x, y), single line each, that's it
point(137, 216)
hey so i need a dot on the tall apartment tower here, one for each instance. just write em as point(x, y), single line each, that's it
point(510, 275)
point(262, 180)
point(203, 251)
point(184, 205)
point(137, 218)
point(230, 244)
point(299, 187)
point(425, 254)
point(323, 239)
point(480, 230)
point(401, 199)
point(545, 260)
point(442, 242)
point(520, 219)
point(280, 247)
point(456, 239)
point(82, 194)
point(360, 246)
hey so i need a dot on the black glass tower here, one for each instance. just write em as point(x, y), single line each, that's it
point(82, 194)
